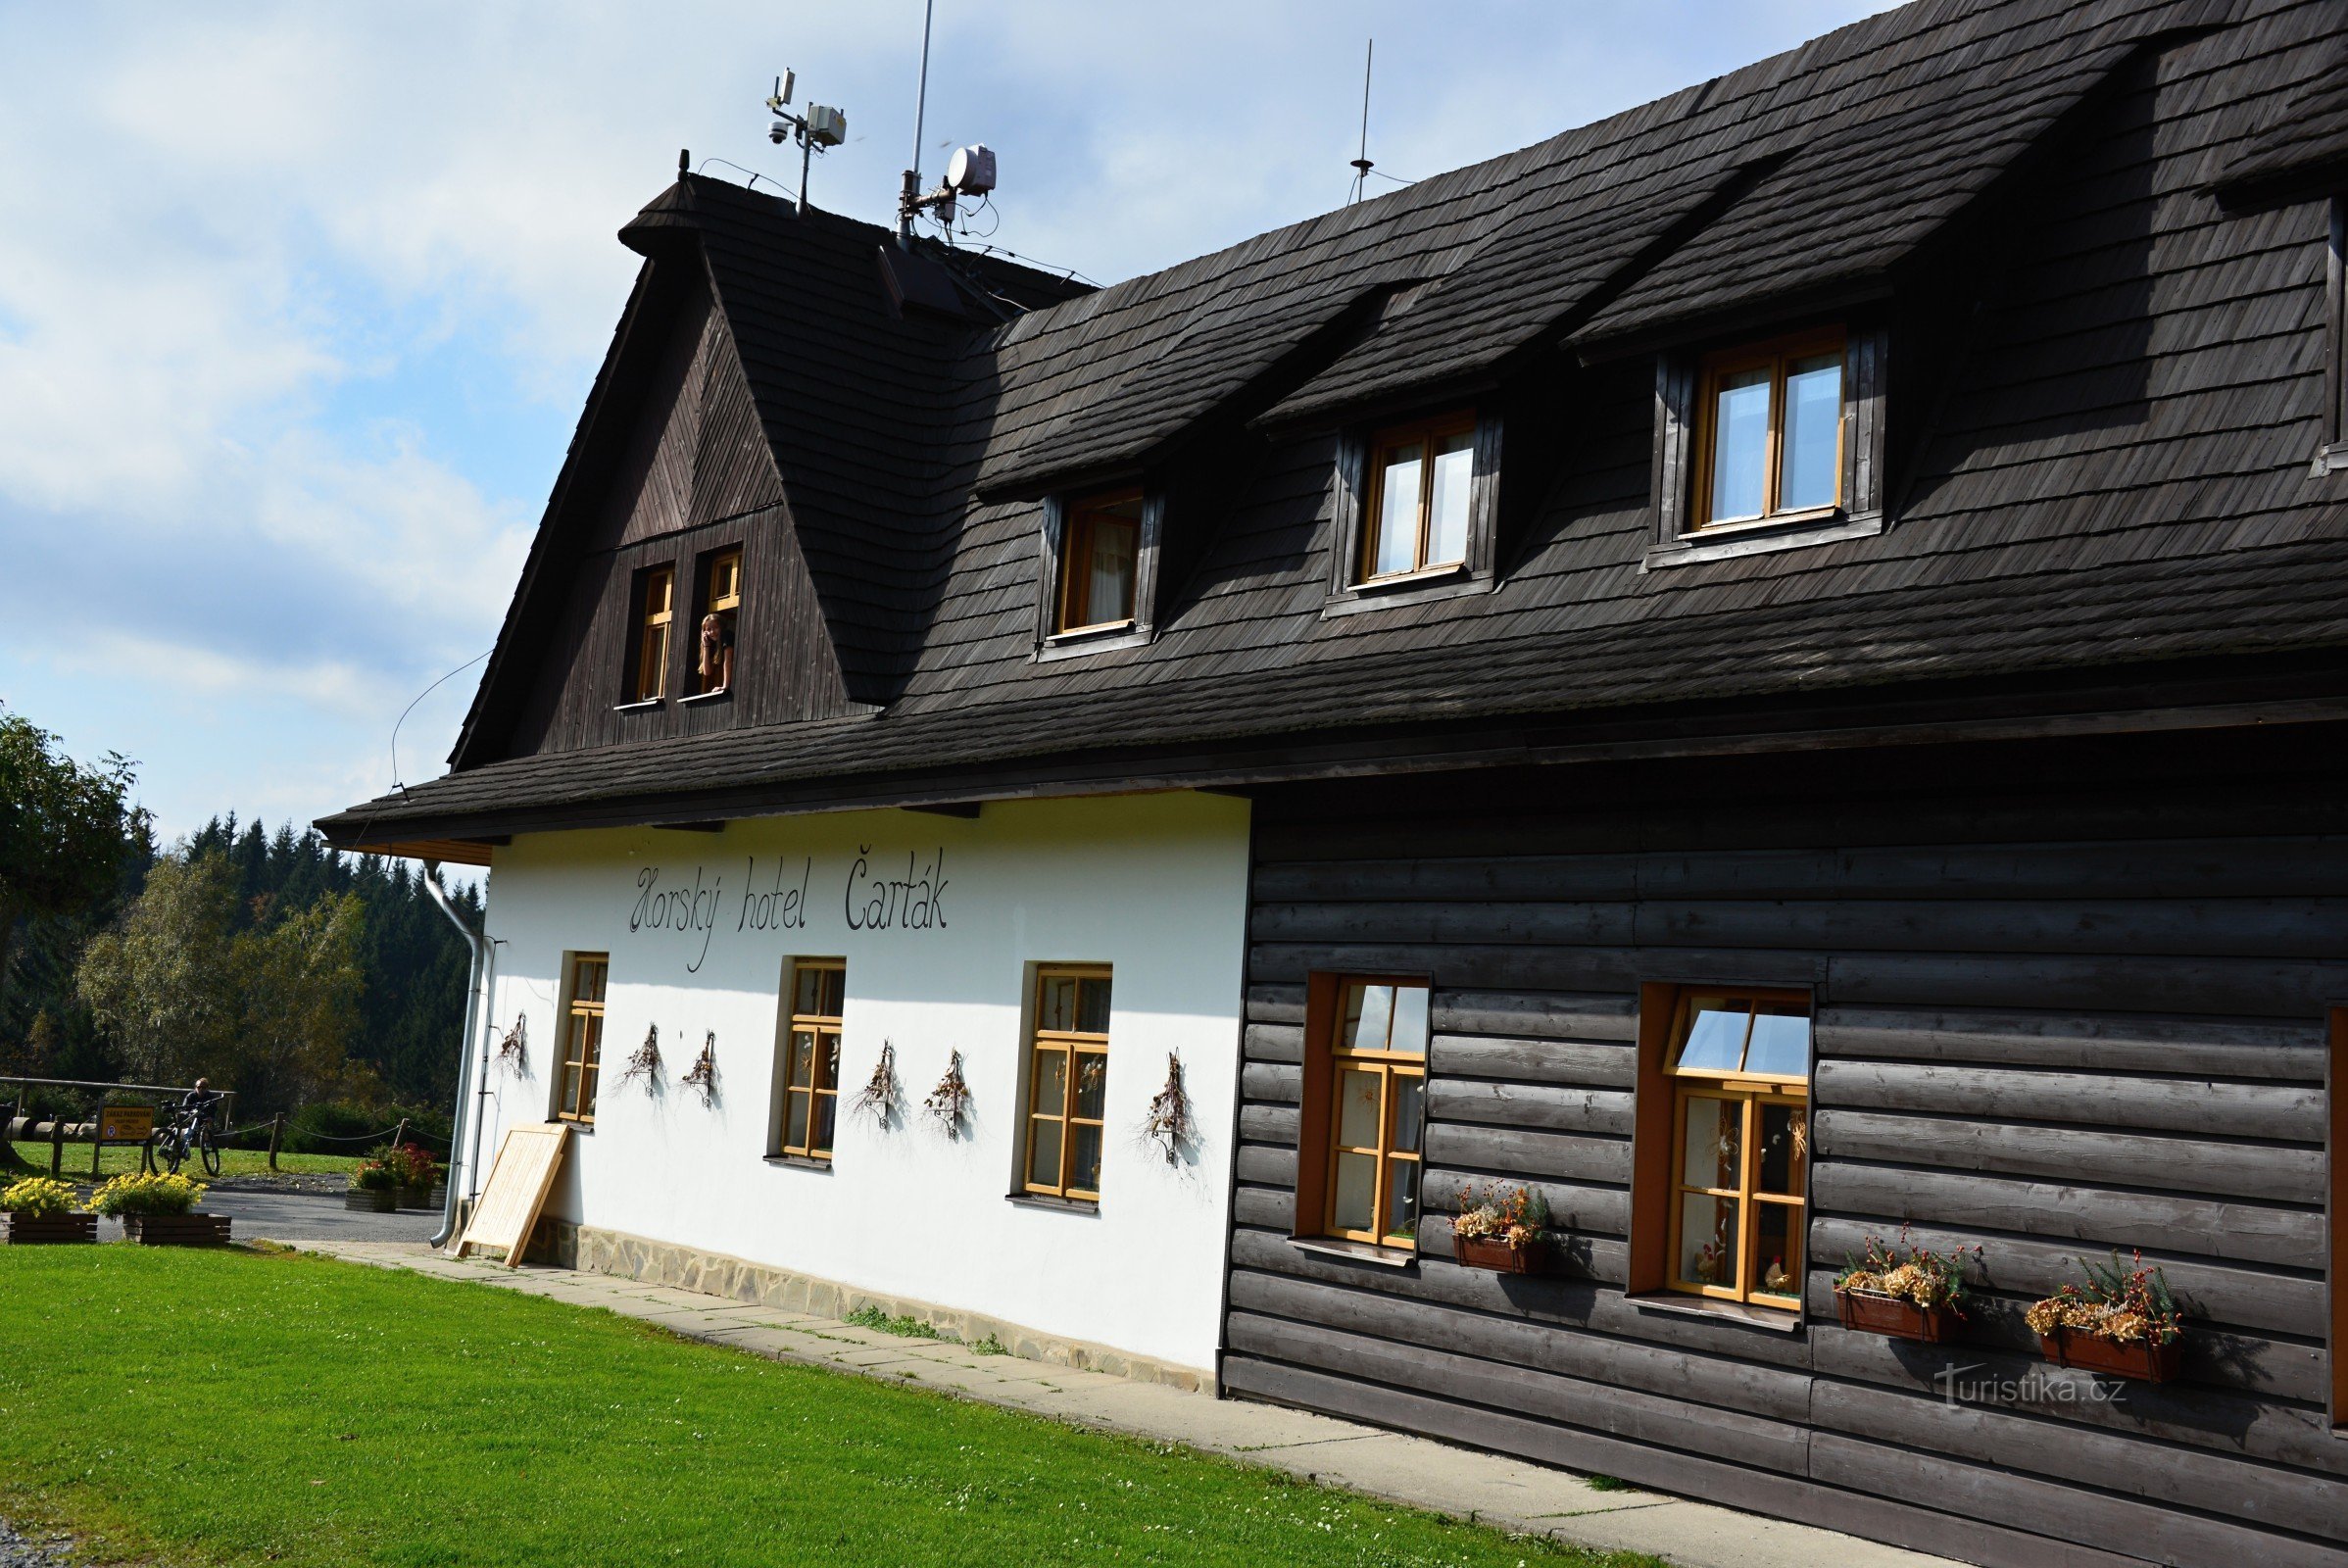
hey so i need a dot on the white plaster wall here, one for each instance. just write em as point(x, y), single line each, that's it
point(1155, 885)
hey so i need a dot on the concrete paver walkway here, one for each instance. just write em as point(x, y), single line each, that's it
point(1508, 1493)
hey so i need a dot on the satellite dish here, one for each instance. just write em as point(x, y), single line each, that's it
point(971, 171)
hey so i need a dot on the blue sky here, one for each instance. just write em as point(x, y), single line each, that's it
point(298, 304)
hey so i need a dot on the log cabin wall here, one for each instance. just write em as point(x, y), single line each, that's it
point(2068, 997)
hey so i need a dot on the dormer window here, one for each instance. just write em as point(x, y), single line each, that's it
point(722, 597)
point(656, 609)
point(1421, 488)
point(1099, 563)
point(1772, 445)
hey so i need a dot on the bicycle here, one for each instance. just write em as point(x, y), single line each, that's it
point(189, 1131)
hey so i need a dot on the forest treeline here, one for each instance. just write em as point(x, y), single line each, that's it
point(258, 956)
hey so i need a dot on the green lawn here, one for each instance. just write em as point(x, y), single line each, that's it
point(121, 1158)
point(244, 1407)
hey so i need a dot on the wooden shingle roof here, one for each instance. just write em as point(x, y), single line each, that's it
point(2112, 470)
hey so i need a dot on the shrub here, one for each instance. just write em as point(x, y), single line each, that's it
point(410, 1164)
point(148, 1195)
point(373, 1176)
point(340, 1126)
point(37, 1198)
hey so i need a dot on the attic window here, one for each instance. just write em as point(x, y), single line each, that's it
point(654, 609)
point(1772, 431)
point(1420, 489)
point(721, 599)
point(1099, 561)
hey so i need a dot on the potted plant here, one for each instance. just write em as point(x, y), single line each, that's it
point(160, 1212)
point(1501, 1230)
point(374, 1187)
point(413, 1173)
point(38, 1209)
point(1904, 1291)
point(2123, 1321)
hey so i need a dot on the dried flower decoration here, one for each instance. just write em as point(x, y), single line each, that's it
point(950, 1101)
point(514, 1046)
point(646, 1063)
point(1909, 1273)
point(881, 1094)
point(1168, 1123)
point(1498, 1212)
point(703, 1078)
point(2117, 1303)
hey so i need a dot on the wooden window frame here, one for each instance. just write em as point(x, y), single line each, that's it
point(1424, 434)
point(725, 605)
point(1071, 1044)
point(1054, 640)
point(1357, 476)
point(1776, 356)
point(1317, 1148)
point(2333, 456)
point(1083, 521)
point(575, 1051)
point(1684, 384)
point(821, 1085)
point(650, 634)
point(1752, 1092)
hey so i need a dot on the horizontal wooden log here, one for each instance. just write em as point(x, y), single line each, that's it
point(1273, 1042)
point(1533, 1062)
point(2255, 988)
point(2287, 1174)
point(1267, 1208)
point(1779, 1392)
point(2116, 1043)
point(1502, 967)
point(1721, 1434)
point(1576, 925)
point(1573, 1206)
point(1271, 1084)
point(2173, 868)
point(1537, 1014)
point(1542, 1105)
point(1516, 1152)
point(2241, 928)
point(2266, 1300)
point(2283, 1113)
point(2224, 1420)
point(1657, 1469)
point(2098, 1216)
point(1487, 880)
point(2065, 1512)
point(1269, 1124)
point(1266, 1166)
point(1275, 1003)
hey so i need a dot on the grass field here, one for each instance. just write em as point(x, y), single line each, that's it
point(241, 1408)
point(118, 1160)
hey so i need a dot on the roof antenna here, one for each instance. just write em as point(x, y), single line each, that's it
point(1361, 163)
point(820, 129)
point(910, 197)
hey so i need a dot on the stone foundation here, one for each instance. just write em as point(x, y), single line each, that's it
point(567, 1245)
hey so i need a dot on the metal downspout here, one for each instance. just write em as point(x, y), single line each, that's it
point(478, 944)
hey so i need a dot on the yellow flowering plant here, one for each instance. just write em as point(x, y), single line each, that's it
point(37, 1198)
point(148, 1195)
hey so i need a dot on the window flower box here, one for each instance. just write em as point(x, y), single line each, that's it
point(31, 1230)
point(176, 1230)
point(1499, 1254)
point(1894, 1317)
point(2146, 1361)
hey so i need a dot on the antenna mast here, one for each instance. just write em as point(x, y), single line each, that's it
point(908, 199)
point(1362, 162)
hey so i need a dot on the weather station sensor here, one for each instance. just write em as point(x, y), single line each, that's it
point(821, 128)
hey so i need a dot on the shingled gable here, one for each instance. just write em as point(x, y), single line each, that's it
point(2069, 508)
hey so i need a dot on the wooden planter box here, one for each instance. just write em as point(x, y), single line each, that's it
point(370, 1199)
point(176, 1230)
point(1485, 1251)
point(22, 1230)
point(2141, 1360)
point(1894, 1318)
